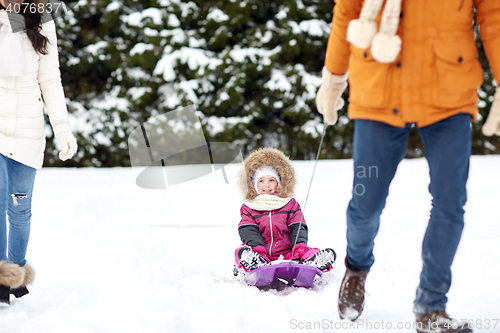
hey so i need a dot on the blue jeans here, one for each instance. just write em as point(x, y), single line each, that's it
point(378, 149)
point(16, 188)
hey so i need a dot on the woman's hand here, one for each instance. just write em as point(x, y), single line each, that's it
point(68, 145)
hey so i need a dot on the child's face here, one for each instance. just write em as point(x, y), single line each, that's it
point(267, 185)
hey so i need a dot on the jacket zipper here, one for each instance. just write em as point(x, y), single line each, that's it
point(271, 225)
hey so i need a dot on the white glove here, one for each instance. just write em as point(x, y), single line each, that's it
point(328, 98)
point(66, 140)
point(492, 123)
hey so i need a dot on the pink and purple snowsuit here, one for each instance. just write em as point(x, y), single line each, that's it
point(276, 231)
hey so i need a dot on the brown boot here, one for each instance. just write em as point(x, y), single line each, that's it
point(440, 322)
point(352, 293)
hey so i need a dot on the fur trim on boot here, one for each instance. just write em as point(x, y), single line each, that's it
point(11, 275)
point(260, 158)
point(29, 275)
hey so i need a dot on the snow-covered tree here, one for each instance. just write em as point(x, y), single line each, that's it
point(251, 68)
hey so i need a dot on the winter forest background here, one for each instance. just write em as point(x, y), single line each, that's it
point(251, 68)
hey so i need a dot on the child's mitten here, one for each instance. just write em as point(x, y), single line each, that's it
point(261, 250)
point(301, 251)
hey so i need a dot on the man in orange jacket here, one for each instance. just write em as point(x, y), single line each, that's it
point(412, 62)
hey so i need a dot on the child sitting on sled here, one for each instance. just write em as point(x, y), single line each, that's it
point(272, 225)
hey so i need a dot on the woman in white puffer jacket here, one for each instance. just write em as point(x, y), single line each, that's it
point(29, 77)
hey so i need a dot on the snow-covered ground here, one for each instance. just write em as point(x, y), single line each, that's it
point(112, 257)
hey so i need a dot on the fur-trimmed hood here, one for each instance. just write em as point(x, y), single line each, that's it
point(260, 158)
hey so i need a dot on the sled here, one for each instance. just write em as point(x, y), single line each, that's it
point(280, 274)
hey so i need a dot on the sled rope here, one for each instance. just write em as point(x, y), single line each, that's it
point(308, 190)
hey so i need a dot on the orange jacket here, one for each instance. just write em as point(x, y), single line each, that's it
point(435, 76)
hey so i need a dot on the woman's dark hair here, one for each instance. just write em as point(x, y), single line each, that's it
point(33, 23)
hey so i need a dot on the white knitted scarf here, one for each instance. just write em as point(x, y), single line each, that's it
point(12, 59)
point(362, 32)
point(266, 202)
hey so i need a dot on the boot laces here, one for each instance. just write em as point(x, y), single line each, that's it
point(354, 285)
point(251, 259)
point(322, 260)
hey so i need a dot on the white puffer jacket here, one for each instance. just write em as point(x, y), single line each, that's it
point(22, 133)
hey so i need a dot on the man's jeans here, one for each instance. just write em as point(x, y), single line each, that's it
point(16, 188)
point(378, 149)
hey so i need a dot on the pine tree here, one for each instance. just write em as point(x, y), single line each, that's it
point(257, 82)
point(108, 54)
point(251, 68)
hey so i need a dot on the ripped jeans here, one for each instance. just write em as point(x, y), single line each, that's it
point(16, 188)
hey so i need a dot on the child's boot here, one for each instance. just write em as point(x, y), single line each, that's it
point(322, 260)
point(249, 259)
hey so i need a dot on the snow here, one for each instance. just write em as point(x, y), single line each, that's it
point(78, 118)
point(314, 27)
point(138, 92)
point(313, 127)
point(111, 101)
point(136, 73)
point(266, 38)
point(217, 15)
point(114, 5)
point(194, 58)
point(282, 14)
point(188, 8)
point(278, 81)
point(136, 19)
point(310, 82)
point(73, 61)
point(112, 257)
point(96, 48)
point(140, 48)
point(240, 55)
point(173, 20)
point(217, 124)
point(178, 35)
